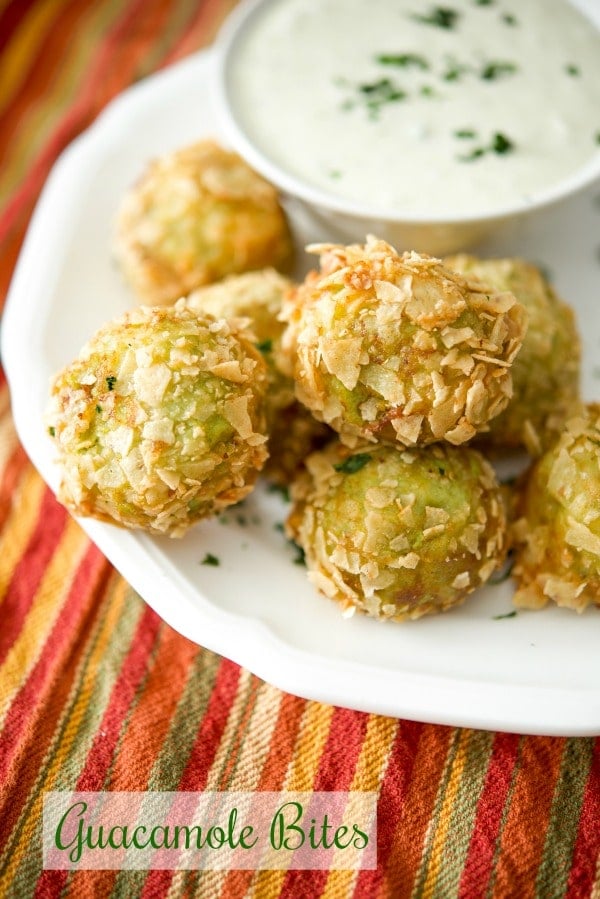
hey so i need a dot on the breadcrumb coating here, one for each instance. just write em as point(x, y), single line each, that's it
point(546, 372)
point(398, 533)
point(195, 216)
point(557, 537)
point(399, 348)
point(160, 422)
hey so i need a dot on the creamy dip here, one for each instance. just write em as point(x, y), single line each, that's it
point(465, 107)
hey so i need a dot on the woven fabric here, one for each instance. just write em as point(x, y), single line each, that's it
point(96, 693)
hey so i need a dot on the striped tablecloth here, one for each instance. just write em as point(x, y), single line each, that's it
point(96, 693)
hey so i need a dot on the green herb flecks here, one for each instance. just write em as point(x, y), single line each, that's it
point(492, 71)
point(597, 137)
point(209, 559)
point(500, 145)
point(335, 174)
point(484, 2)
point(111, 381)
point(281, 489)
point(572, 70)
point(265, 346)
point(455, 70)
point(512, 614)
point(52, 431)
point(300, 557)
point(377, 94)
point(98, 409)
point(509, 19)
point(439, 17)
point(427, 91)
point(403, 60)
point(465, 133)
point(353, 463)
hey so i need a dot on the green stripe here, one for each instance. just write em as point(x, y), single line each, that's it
point(85, 724)
point(463, 814)
point(553, 873)
point(431, 830)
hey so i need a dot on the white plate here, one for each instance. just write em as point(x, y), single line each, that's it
point(535, 673)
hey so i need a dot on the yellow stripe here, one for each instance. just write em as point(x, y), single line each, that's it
point(370, 771)
point(19, 525)
point(445, 814)
point(58, 769)
point(596, 887)
point(46, 607)
point(24, 46)
point(300, 776)
point(8, 441)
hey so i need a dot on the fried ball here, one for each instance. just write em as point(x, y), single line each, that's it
point(399, 348)
point(546, 371)
point(258, 296)
point(194, 217)
point(558, 535)
point(159, 422)
point(398, 533)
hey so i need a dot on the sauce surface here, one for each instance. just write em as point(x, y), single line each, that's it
point(401, 104)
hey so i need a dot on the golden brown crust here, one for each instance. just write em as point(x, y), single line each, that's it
point(194, 217)
point(398, 348)
point(160, 420)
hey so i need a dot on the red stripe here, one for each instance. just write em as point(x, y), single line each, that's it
point(202, 756)
point(480, 858)
point(391, 798)
point(338, 762)
point(587, 847)
point(30, 569)
point(41, 696)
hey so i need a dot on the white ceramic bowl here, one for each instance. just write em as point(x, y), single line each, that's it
point(351, 220)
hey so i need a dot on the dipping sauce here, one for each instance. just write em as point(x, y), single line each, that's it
point(404, 105)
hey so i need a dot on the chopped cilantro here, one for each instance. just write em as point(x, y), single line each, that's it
point(282, 489)
point(300, 557)
point(209, 559)
point(265, 346)
point(441, 470)
point(403, 60)
point(353, 463)
point(52, 431)
point(439, 17)
point(509, 19)
point(335, 174)
point(575, 71)
point(278, 526)
point(98, 408)
point(494, 70)
point(474, 154)
point(465, 133)
point(111, 381)
point(484, 2)
point(454, 70)
point(597, 137)
point(512, 614)
point(241, 520)
point(427, 91)
point(501, 144)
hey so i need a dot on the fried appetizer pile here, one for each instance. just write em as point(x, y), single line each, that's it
point(258, 297)
point(398, 533)
point(558, 535)
point(546, 371)
point(160, 420)
point(399, 348)
point(195, 216)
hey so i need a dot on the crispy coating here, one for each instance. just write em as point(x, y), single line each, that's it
point(159, 421)
point(194, 217)
point(546, 371)
point(258, 296)
point(557, 536)
point(399, 348)
point(398, 533)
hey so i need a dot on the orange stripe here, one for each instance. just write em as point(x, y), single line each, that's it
point(416, 810)
point(524, 834)
point(21, 520)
